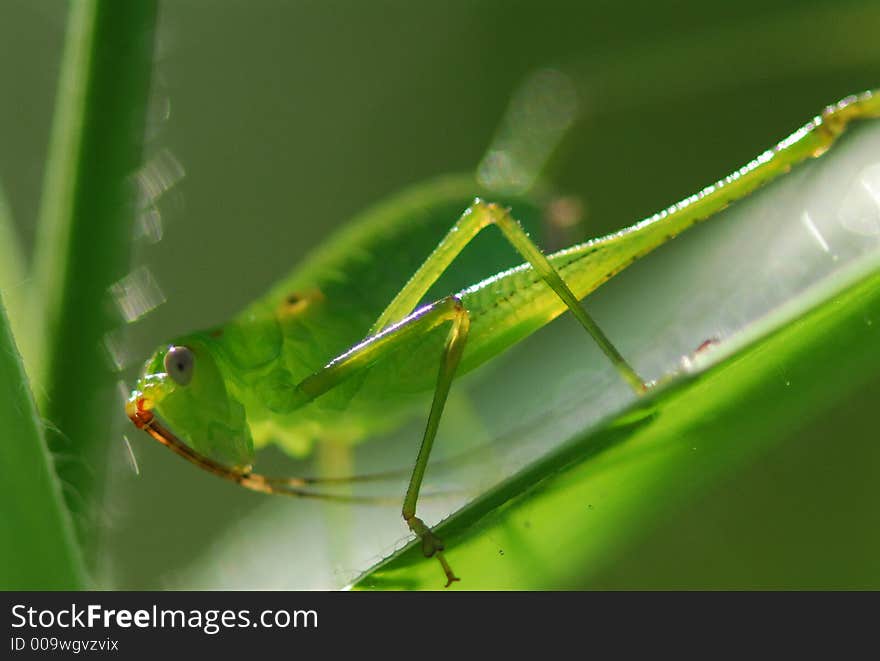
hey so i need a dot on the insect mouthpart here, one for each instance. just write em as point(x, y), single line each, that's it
point(138, 410)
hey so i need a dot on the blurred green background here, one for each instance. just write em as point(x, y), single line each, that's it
point(288, 118)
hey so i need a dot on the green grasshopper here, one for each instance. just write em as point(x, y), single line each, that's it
point(342, 347)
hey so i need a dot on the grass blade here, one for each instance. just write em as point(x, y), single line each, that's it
point(560, 521)
point(38, 549)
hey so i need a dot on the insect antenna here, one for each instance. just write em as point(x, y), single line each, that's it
point(132, 459)
point(289, 486)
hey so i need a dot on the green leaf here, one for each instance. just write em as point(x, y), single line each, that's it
point(799, 262)
point(576, 507)
point(38, 550)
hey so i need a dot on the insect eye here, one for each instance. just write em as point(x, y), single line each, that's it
point(179, 364)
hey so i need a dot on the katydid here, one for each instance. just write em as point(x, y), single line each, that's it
point(341, 346)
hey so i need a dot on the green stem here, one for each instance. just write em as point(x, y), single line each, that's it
point(84, 235)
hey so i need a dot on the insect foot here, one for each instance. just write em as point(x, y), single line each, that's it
point(432, 546)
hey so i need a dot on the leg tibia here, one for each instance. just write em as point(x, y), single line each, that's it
point(518, 238)
point(455, 343)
